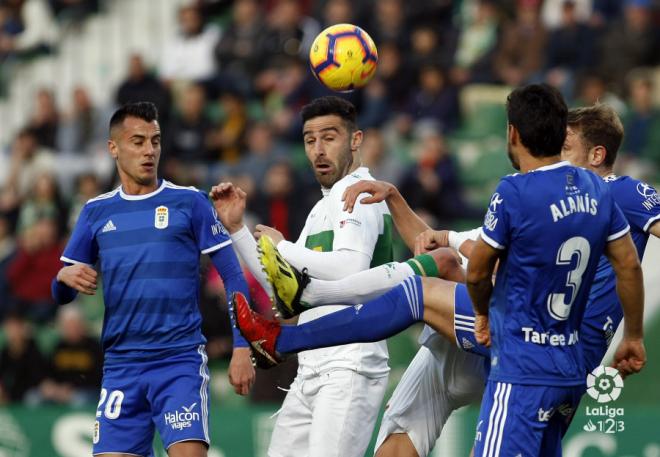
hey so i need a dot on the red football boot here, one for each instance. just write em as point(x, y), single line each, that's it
point(260, 332)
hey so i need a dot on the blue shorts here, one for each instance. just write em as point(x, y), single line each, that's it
point(171, 394)
point(464, 323)
point(524, 420)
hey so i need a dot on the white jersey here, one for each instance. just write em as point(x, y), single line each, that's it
point(367, 230)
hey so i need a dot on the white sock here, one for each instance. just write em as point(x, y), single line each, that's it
point(356, 288)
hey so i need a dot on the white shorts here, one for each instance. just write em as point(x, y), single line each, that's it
point(329, 415)
point(433, 386)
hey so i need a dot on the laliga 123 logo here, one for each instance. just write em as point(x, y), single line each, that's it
point(604, 384)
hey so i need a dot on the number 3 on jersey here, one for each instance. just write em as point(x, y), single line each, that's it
point(113, 405)
point(557, 301)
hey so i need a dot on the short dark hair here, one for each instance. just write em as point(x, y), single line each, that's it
point(146, 111)
point(598, 125)
point(539, 113)
point(331, 104)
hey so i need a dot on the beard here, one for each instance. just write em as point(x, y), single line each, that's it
point(339, 170)
point(512, 158)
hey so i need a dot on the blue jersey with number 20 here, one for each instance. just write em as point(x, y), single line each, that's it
point(552, 225)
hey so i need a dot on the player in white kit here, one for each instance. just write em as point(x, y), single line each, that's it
point(442, 377)
point(333, 403)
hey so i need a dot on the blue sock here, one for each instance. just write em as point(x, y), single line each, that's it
point(376, 320)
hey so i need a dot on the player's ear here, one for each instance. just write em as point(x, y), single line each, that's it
point(356, 140)
point(597, 156)
point(512, 134)
point(112, 146)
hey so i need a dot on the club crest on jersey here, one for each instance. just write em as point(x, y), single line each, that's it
point(162, 218)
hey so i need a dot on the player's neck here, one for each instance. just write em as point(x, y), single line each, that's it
point(130, 187)
point(603, 171)
point(529, 163)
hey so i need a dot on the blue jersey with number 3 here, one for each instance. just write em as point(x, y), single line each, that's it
point(552, 225)
point(149, 248)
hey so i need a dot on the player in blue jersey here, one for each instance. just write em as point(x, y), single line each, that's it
point(146, 237)
point(593, 138)
point(548, 227)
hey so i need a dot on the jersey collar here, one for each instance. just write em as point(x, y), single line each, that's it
point(144, 196)
point(563, 163)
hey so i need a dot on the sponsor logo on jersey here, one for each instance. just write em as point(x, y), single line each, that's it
point(108, 227)
point(649, 193)
point(495, 200)
point(162, 217)
point(349, 221)
point(183, 418)
point(551, 339)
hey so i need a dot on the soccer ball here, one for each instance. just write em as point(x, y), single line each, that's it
point(343, 57)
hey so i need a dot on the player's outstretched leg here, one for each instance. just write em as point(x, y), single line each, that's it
point(260, 332)
point(288, 283)
point(374, 321)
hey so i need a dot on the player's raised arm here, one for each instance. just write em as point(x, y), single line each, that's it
point(407, 222)
point(630, 356)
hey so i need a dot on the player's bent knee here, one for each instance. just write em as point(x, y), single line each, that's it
point(448, 264)
point(397, 445)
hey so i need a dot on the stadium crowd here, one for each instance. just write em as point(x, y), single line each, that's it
point(228, 90)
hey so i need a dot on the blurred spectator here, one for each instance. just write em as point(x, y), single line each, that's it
point(283, 204)
point(87, 187)
point(21, 362)
point(593, 89)
point(73, 374)
point(565, 58)
point(43, 201)
point(45, 119)
point(393, 70)
point(605, 12)
point(339, 12)
point(227, 137)
point(28, 160)
point(476, 45)
point(7, 252)
point(642, 120)
point(632, 41)
point(262, 153)
point(432, 184)
point(553, 12)
point(289, 32)
point(375, 105)
point(189, 56)
point(83, 127)
point(26, 28)
point(30, 272)
point(189, 127)
point(430, 46)
point(239, 52)
point(141, 85)
point(388, 23)
point(519, 56)
point(73, 10)
point(436, 99)
point(383, 164)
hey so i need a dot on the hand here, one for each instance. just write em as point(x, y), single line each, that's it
point(274, 234)
point(229, 202)
point(431, 239)
point(482, 330)
point(630, 356)
point(379, 190)
point(241, 371)
point(80, 277)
